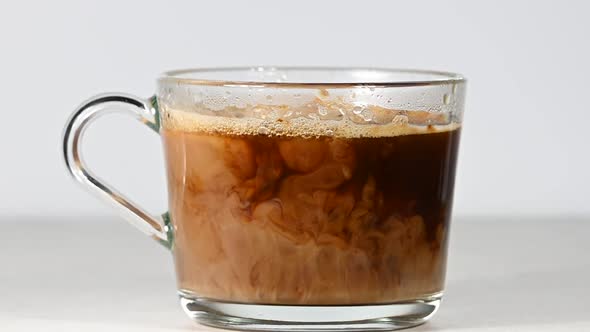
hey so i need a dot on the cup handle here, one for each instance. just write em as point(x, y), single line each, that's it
point(146, 112)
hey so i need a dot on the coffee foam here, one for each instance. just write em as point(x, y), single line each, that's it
point(208, 123)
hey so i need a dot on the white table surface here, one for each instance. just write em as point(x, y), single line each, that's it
point(505, 274)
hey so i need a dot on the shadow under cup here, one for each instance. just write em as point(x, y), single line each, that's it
point(301, 198)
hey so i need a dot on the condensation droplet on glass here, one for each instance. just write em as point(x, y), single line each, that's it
point(367, 115)
point(322, 110)
point(329, 132)
point(357, 110)
point(454, 89)
point(372, 89)
point(297, 95)
point(269, 97)
point(446, 99)
point(400, 119)
point(227, 93)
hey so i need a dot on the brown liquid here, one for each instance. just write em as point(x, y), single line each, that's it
point(311, 220)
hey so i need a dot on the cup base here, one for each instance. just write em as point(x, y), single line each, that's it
point(264, 317)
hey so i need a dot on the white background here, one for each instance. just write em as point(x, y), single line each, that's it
point(525, 140)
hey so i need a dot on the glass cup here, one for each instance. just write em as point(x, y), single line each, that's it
point(299, 198)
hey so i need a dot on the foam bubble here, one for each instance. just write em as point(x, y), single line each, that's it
point(302, 126)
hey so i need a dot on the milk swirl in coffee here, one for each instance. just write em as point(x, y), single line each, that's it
point(305, 211)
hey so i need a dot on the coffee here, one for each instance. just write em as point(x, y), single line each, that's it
point(303, 214)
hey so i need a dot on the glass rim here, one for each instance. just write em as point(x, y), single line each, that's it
point(436, 77)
